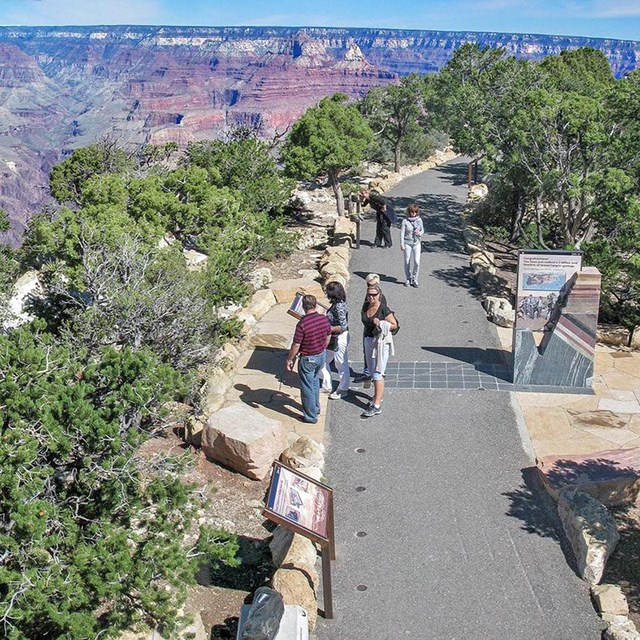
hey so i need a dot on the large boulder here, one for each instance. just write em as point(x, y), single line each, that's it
point(244, 440)
point(217, 384)
point(196, 261)
point(499, 311)
point(25, 288)
point(334, 268)
point(293, 551)
point(260, 278)
point(296, 588)
point(591, 531)
point(304, 452)
point(261, 303)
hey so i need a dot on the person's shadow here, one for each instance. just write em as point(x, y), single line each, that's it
point(269, 398)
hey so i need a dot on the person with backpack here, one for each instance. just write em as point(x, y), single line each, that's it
point(385, 216)
point(411, 232)
point(379, 325)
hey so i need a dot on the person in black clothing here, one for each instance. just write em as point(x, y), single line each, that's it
point(383, 219)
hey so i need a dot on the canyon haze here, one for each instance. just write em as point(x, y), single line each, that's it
point(65, 87)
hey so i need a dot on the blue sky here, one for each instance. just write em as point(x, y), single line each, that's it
point(601, 18)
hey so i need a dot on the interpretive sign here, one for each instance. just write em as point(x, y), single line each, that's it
point(296, 309)
point(543, 278)
point(305, 506)
point(300, 503)
point(554, 335)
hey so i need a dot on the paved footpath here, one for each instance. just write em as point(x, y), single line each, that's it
point(438, 536)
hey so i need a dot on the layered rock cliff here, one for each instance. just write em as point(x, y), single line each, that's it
point(64, 87)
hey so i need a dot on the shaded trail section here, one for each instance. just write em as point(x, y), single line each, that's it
point(442, 531)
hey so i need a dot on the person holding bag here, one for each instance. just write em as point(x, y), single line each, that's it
point(379, 324)
point(411, 232)
point(338, 316)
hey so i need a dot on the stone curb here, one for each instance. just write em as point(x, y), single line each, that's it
point(493, 288)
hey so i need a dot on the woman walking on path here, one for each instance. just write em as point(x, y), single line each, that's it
point(379, 323)
point(338, 316)
point(411, 232)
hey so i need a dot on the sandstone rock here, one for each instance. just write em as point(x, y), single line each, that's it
point(194, 429)
point(613, 334)
point(291, 549)
point(619, 628)
point(336, 277)
point(260, 278)
point(300, 200)
point(304, 452)
point(311, 274)
point(285, 290)
point(332, 252)
point(26, 287)
point(249, 321)
point(478, 192)
point(483, 260)
point(196, 261)
point(227, 356)
point(591, 531)
point(261, 303)
point(217, 384)
point(296, 589)
point(313, 472)
point(474, 239)
point(609, 599)
point(635, 339)
point(499, 311)
point(334, 269)
point(244, 440)
point(344, 232)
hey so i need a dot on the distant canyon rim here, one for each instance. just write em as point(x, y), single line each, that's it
point(62, 88)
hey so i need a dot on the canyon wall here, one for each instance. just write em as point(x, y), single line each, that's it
point(64, 87)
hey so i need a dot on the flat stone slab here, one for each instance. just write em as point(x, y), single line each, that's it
point(611, 476)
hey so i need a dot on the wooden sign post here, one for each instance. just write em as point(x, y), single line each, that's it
point(305, 506)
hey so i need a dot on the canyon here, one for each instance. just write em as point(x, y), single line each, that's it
point(62, 88)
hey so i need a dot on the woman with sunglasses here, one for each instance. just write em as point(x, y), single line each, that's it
point(379, 322)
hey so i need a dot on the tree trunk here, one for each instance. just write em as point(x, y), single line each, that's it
point(396, 157)
point(337, 190)
point(518, 217)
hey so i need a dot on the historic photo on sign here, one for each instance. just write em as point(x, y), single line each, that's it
point(299, 501)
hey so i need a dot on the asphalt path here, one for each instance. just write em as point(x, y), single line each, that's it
point(441, 529)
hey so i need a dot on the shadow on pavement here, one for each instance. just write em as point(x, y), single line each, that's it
point(478, 357)
point(537, 512)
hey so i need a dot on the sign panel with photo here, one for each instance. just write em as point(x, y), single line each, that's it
point(296, 309)
point(544, 278)
point(300, 503)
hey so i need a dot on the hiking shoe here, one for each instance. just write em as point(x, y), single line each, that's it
point(371, 411)
point(361, 377)
point(414, 283)
point(338, 395)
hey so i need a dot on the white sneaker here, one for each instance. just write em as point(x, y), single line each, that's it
point(338, 395)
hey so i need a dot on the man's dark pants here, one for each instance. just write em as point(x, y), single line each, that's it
point(383, 231)
point(309, 368)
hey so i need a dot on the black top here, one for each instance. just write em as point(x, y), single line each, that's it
point(370, 329)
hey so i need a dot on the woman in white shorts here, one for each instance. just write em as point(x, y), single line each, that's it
point(379, 323)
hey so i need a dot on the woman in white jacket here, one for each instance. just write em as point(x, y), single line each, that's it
point(411, 232)
point(378, 324)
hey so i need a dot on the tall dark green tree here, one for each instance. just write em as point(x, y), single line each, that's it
point(328, 139)
point(397, 115)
